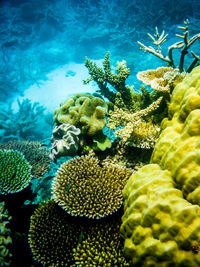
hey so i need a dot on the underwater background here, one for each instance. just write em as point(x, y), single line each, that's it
point(84, 87)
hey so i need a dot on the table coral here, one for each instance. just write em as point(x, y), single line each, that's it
point(162, 213)
point(15, 171)
point(53, 235)
point(84, 111)
point(85, 188)
point(34, 152)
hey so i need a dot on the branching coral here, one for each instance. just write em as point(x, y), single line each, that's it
point(84, 111)
point(65, 141)
point(104, 76)
point(101, 244)
point(134, 124)
point(15, 171)
point(183, 45)
point(34, 152)
point(84, 188)
point(5, 236)
point(53, 235)
point(22, 124)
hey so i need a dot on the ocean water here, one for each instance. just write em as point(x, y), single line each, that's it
point(43, 50)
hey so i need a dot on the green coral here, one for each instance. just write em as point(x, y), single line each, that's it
point(35, 153)
point(53, 235)
point(5, 236)
point(84, 111)
point(15, 171)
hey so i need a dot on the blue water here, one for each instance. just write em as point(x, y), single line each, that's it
point(39, 38)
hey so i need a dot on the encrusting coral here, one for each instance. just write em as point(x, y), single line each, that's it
point(15, 171)
point(84, 188)
point(65, 141)
point(84, 111)
point(53, 235)
point(101, 244)
point(34, 152)
point(5, 237)
point(162, 213)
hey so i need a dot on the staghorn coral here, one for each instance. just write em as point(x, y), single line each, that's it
point(162, 213)
point(160, 227)
point(65, 141)
point(34, 152)
point(5, 236)
point(83, 188)
point(53, 235)
point(84, 111)
point(163, 79)
point(22, 124)
point(15, 171)
point(184, 45)
point(101, 244)
point(133, 123)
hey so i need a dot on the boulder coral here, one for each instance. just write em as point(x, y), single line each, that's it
point(162, 213)
point(84, 111)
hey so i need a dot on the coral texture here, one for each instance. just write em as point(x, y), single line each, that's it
point(84, 111)
point(161, 219)
point(34, 152)
point(177, 149)
point(84, 188)
point(65, 141)
point(15, 171)
point(160, 227)
point(53, 235)
point(5, 237)
point(101, 244)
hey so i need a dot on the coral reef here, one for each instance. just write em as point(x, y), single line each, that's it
point(84, 111)
point(84, 188)
point(34, 152)
point(101, 244)
point(184, 45)
point(104, 76)
point(136, 130)
point(65, 141)
point(22, 124)
point(161, 219)
point(177, 149)
point(162, 79)
point(5, 237)
point(53, 235)
point(160, 227)
point(15, 171)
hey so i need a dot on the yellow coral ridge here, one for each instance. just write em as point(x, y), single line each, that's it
point(160, 227)
point(177, 149)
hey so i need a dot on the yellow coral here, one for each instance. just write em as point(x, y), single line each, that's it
point(82, 110)
point(160, 227)
point(161, 79)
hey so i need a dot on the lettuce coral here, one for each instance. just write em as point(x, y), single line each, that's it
point(162, 218)
point(15, 171)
